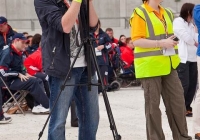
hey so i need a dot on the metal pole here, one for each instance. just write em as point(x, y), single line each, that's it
point(32, 25)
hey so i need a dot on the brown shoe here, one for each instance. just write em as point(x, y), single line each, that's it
point(12, 110)
point(24, 107)
point(197, 136)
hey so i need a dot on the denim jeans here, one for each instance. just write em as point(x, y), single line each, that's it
point(86, 101)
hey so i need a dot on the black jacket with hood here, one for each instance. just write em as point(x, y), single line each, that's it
point(55, 43)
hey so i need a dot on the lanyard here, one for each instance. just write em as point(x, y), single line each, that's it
point(164, 24)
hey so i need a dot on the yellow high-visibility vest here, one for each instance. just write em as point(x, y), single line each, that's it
point(150, 62)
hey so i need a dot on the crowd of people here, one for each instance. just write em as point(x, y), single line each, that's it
point(162, 52)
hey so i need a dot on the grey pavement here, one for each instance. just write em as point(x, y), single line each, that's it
point(128, 110)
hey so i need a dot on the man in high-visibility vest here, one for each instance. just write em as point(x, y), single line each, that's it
point(155, 62)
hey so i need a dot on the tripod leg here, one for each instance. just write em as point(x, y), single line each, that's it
point(107, 104)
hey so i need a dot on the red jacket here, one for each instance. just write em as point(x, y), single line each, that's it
point(114, 40)
point(127, 56)
point(33, 63)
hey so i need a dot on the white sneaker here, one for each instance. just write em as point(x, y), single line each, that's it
point(43, 110)
point(36, 109)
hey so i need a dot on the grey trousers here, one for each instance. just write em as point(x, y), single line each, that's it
point(169, 87)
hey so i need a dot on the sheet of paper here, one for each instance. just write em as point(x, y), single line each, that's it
point(169, 52)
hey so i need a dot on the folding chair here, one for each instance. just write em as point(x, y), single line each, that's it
point(17, 97)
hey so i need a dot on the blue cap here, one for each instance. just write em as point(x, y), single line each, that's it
point(19, 36)
point(3, 20)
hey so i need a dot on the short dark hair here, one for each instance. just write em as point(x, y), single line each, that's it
point(109, 29)
point(25, 32)
point(36, 39)
point(186, 10)
point(29, 36)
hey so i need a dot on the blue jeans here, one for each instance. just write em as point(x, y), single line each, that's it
point(86, 101)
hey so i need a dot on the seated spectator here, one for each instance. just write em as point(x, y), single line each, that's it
point(35, 44)
point(129, 43)
point(110, 33)
point(122, 41)
point(126, 52)
point(30, 38)
point(33, 65)
point(25, 34)
point(6, 33)
point(12, 70)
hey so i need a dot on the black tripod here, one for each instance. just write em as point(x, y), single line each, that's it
point(91, 60)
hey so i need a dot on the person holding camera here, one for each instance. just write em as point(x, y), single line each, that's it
point(156, 60)
point(184, 29)
point(60, 42)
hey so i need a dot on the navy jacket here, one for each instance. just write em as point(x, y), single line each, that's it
point(8, 38)
point(102, 39)
point(55, 43)
point(31, 49)
point(11, 63)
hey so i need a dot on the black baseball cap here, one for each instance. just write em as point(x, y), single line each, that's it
point(3, 20)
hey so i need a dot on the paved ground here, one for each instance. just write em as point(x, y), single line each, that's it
point(128, 109)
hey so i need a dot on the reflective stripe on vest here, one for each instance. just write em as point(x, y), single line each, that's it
point(151, 53)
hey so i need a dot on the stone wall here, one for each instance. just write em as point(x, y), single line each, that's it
point(20, 12)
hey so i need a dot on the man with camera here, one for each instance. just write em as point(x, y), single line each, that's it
point(58, 19)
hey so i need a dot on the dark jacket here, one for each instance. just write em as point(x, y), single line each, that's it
point(102, 39)
point(55, 43)
point(31, 49)
point(8, 38)
point(11, 63)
